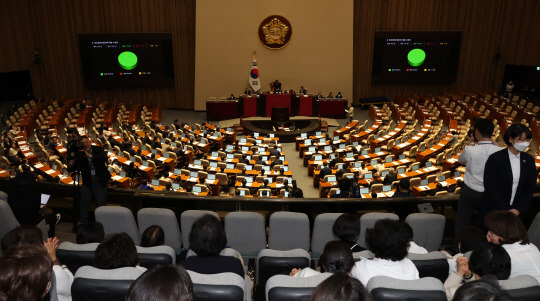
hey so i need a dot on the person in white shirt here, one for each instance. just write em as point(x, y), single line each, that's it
point(336, 258)
point(506, 229)
point(413, 247)
point(389, 241)
point(474, 159)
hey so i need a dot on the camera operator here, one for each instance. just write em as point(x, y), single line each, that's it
point(91, 161)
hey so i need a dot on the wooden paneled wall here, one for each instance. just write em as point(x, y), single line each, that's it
point(51, 27)
point(508, 27)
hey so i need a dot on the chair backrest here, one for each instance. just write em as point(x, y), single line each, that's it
point(534, 231)
point(187, 219)
point(166, 219)
point(288, 230)
point(322, 232)
point(8, 221)
point(368, 221)
point(523, 287)
point(384, 288)
point(91, 283)
point(273, 262)
point(287, 288)
point(75, 256)
point(246, 232)
point(116, 219)
point(433, 264)
point(223, 286)
point(428, 229)
point(154, 256)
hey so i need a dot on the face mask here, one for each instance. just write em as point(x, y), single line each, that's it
point(521, 146)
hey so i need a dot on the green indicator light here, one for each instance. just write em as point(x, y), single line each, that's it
point(416, 57)
point(389, 70)
point(127, 60)
point(101, 74)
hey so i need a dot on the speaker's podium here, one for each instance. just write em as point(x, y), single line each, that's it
point(280, 115)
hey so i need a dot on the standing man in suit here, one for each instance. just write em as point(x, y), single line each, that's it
point(91, 161)
point(474, 158)
point(510, 174)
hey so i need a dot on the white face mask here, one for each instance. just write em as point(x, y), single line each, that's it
point(521, 146)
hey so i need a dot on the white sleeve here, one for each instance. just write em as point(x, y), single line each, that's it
point(64, 279)
point(462, 158)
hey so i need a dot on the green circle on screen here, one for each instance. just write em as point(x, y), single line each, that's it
point(127, 60)
point(416, 57)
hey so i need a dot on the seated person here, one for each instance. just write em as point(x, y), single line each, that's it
point(145, 186)
point(506, 229)
point(341, 287)
point(166, 283)
point(467, 239)
point(90, 233)
point(403, 189)
point(344, 188)
point(207, 238)
point(347, 229)
point(388, 241)
point(336, 258)
point(486, 259)
point(116, 251)
point(153, 236)
point(265, 185)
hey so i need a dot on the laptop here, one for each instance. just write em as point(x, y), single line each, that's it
point(44, 199)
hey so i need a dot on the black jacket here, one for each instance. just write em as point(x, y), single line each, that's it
point(498, 182)
point(99, 159)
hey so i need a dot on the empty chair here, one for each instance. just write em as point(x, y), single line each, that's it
point(166, 219)
point(246, 232)
point(8, 221)
point(522, 287)
point(91, 283)
point(433, 264)
point(368, 221)
point(384, 288)
point(117, 219)
point(287, 288)
point(288, 230)
point(322, 232)
point(274, 262)
point(428, 229)
point(224, 286)
point(186, 220)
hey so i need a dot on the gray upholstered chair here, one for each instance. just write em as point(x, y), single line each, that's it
point(433, 264)
point(287, 288)
point(246, 232)
point(75, 256)
point(116, 219)
point(223, 286)
point(322, 232)
point(288, 230)
point(384, 288)
point(166, 219)
point(523, 287)
point(368, 221)
point(154, 256)
point(187, 219)
point(91, 283)
point(275, 262)
point(8, 221)
point(428, 229)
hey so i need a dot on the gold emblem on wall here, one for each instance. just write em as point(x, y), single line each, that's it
point(275, 32)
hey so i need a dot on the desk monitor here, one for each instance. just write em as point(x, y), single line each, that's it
point(204, 131)
point(336, 138)
point(245, 148)
point(333, 156)
point(280, 150)
point(415, 167)
point(317, 158)
point(194, 174)
point(373, 162)
point(249, 167)
point(422, 149)
point(457, 174)
point(401, 157)
point(307, 142)
point(384, 173)
point(197, 189)
point(424, 182)
point(211, 177)
point(386, 188)
point(264, 158)
point(285, 167)
point(264, 193)
point(229, 147)
point(286, 194)
point(186, 148)
point(376, 137)
point(261, 150)
point(350, 155)
point(368, 176)
point(255, 134)
point(377, 149)
point(282, 158)
point(230, 166)
point(388, 159)
point(166, 155)
point(358, 164)
point(342, 146)
point(355, 143)
point(322, 140)
point(123, 174)
point(401, 170)
point(229, 156)
point(197, 162)
point(110, 169)
point(364, 190)
point(214, 154)
point(154, 152)
point(266, 168)
point(248, 157)
point(213, 164)
point(229, 129)
point(331, 179)
point(243, 140)
point(272, 135)
point(270, 180)
point(176, 186)
point(249, 179)
point(364, 152)
point(145, 163)
point(442, 178)
point(327, 148)
point(348, 177)
point(318, 133)
point(242, 193)
point(303, 135)
point(178, 171)
point(155, 182)
point(428, 164)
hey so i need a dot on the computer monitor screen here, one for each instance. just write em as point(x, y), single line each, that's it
point(386, 188)
point(177, 171)
point(211, 177)
point(401, 157)
point(384, 173)
point(155, 182)
point(272, 135)
point(368, 176)
point(249, 179)
point(373, 162)
point(457, 174)
point(230, 156)
point(249, 167)
point(197, 162)
point(317, 158)
point(401, 170)
point(255, 134)
point(388, 160)
point(364, 190)
point(242, 193)
point(213, 164)
point(197, 189)
point(322, 140)
point(307, 142)
point(266, 168)
point(350, 155)
point(303, 135)
point(175, 186)
point(442, 178)
point(331, 178)
point(428, 164)
point(358, 164)
point(424, 182)
point(229, 166)
point(336, 138)
point(364, 152)
point(318, 133)
point(377, 149)
point(415, 167)
point(194, 174)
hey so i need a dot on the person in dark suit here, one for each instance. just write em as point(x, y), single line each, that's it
point(325, 171)
point(91, 161)
point(302, 90)
point(339, 96)
point(510, 174)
